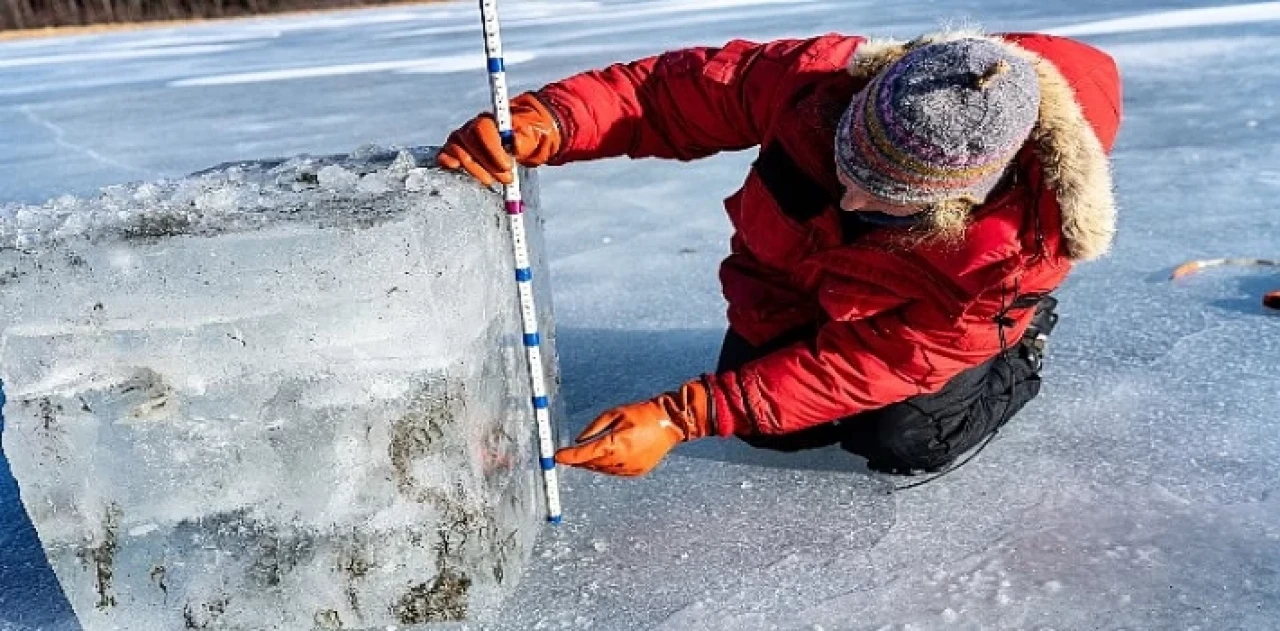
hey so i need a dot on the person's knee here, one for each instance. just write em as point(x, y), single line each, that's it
point(929, 433)
point(914, 441)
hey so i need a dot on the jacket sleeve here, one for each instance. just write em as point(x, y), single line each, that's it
point(850, 367)
point(684, 104)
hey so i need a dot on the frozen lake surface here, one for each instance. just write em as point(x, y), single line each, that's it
point(1138, 491)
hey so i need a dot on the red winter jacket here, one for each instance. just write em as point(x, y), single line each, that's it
point(893, 321)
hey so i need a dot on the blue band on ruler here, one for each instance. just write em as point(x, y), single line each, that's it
point(496, 65)
point(507, 136)
point(541, 403)
point(532, 339)
point(547, 463)
point(555, 519)
point(524, 275)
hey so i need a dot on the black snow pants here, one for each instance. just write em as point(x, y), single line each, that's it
point(923, 433)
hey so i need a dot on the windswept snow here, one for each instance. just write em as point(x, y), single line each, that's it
point(434, 65)
point(1181, 19)
point(115, 55)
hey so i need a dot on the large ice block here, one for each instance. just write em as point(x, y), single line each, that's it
point(274, 395)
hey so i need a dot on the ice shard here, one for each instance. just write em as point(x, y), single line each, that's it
point(274, 395)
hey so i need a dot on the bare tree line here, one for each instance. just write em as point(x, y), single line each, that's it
point(24, 14)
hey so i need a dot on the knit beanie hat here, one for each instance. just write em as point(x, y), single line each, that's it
point(940, 123)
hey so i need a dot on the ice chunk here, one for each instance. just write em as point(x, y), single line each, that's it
point(417, 180)
point(249, 399)
point(375, 183)
point(337, 178)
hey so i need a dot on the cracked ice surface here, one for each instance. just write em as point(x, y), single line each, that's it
point(282, 394)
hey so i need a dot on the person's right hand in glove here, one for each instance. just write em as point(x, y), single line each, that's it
point(477, 148)
point(630, 440)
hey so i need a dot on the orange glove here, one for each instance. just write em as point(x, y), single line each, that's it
point(632, 439)
point(477, 148)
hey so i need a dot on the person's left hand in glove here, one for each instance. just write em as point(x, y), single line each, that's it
point(631, 440)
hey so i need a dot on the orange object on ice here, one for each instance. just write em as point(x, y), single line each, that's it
point(1192, 267)
point(1271, 300)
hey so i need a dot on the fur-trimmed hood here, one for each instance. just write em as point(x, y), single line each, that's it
point(1075, 164)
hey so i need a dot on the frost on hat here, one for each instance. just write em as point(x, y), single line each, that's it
point(941, 123)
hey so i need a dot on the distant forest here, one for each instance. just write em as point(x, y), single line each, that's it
point(28, 14)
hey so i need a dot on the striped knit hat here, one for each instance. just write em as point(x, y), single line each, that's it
point(940, 123)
